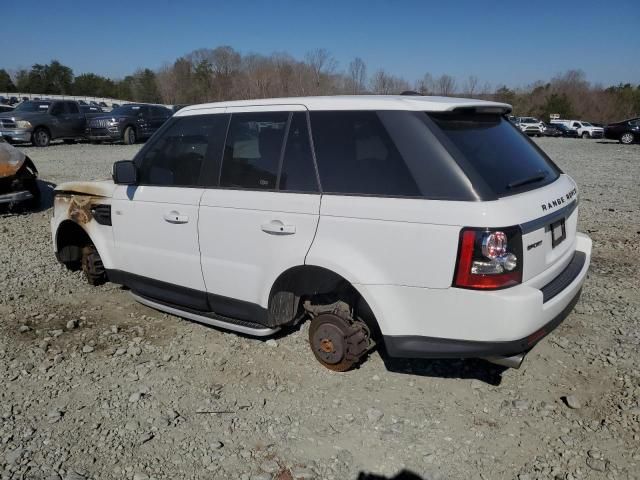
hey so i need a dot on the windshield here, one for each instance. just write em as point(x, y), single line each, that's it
point(33, 107)
point(127, 110)
point(502, 156)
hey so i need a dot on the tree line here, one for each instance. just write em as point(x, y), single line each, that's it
point(222, 73)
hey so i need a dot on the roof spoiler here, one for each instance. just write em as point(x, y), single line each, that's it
point(500, 108)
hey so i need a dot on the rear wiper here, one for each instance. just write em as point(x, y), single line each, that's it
point(525, 181)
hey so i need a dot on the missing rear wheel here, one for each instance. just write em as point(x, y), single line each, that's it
point(337, 342)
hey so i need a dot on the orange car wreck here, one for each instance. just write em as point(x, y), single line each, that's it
point(18, 178)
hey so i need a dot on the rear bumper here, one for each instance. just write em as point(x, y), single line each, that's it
point(17, 135)
point(457, 323)
point(427, 347)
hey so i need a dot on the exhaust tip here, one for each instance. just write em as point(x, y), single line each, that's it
point(513, 361)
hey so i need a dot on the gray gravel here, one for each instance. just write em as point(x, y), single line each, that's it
point(97, 386)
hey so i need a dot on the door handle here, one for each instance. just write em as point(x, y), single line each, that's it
point(276, 227)
point(175, 217)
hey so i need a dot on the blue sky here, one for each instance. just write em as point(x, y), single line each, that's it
point(501, 42)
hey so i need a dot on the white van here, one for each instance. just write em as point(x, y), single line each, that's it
point(584, 129)
point(429, 226)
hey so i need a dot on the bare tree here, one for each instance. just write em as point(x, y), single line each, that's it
point(445, 85)
point(470, 86)
point(384, 83)
point(322, 64)
point(167, 84)
point(357, 75)
point(425, 85)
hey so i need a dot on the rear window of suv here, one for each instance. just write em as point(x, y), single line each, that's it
point(499, 153)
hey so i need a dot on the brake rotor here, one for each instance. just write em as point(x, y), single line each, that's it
point(336, 342)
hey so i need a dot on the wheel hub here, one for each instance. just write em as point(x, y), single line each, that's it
point(329, 343)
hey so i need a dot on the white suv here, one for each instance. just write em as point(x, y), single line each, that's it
point(584, 129)
point(531, 126)
point(429, 226)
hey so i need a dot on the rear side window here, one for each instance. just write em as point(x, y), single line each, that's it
point(298, 172)
point(252, 150)
point(495, 150)
point(178, 154)
point(356, 155)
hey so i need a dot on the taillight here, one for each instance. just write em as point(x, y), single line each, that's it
point(489, 259)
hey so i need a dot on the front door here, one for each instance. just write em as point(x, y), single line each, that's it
point(262, 217)
point(155, 223)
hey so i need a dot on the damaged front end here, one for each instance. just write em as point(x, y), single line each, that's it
point(18, 178)
point(80, 226)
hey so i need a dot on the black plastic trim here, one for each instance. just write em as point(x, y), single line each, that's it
point(102, 214)
point(413, 346)
point(564, 212)
point(196, 301)
point(161, 291)
point(238, 309)
point(565, 278)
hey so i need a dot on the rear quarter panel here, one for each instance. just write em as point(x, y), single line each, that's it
point(414, 242)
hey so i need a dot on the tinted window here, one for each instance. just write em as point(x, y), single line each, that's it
point(496, 151)
point(252, 151)
point(356, 155)
point(33, 107)
point(57, 109)
point(177, 156)
point(298, 172)
point(72, 107)
point(127, 110)
point(161, 112)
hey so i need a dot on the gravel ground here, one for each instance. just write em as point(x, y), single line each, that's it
point(95, 385)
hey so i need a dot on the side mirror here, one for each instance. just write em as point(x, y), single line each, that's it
point(125, 172)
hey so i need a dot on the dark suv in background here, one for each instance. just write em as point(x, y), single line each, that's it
point(128, 123)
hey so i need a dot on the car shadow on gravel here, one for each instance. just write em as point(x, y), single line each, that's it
point(402, 475)
point(615, 142)
point(471, 368)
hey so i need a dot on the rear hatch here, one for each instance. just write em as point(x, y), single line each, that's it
point(528, 188)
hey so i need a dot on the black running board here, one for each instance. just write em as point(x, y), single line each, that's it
point(210, 318)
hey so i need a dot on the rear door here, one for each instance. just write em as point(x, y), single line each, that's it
point(155, 223)
point(60, 126)
point(261, 216)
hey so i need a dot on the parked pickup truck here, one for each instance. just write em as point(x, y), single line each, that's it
point(41, 121)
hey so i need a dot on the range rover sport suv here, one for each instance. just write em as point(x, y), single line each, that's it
point(431, 227)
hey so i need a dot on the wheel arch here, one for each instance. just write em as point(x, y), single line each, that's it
point(303, 281)
point(42, 127)
point(70, 238)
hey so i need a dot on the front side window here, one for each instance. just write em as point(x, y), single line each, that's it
point(57, 109)
point(178, 155)
point(252, 150)
point(72, 107)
